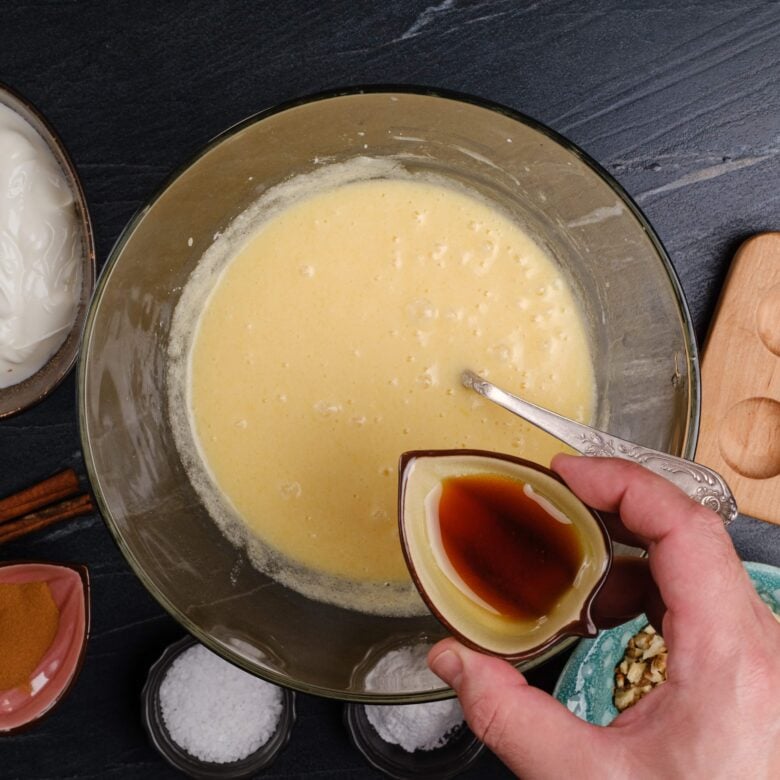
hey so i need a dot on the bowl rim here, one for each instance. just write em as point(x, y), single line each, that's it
point(71, 347)
point(694, 382)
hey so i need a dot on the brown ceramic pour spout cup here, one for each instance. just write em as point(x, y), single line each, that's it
point(605, 591)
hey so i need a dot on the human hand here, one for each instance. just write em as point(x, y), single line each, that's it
point(718, 714)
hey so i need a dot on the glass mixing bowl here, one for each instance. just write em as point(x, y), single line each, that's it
point(643, 348)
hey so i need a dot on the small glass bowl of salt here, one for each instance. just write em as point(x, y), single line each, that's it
point(210, 719)
point(429, 739)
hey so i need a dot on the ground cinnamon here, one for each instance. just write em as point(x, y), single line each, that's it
point(29, 619)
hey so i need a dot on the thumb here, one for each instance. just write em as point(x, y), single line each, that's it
point(531, 732)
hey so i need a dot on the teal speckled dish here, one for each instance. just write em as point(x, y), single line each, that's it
point(587, 681)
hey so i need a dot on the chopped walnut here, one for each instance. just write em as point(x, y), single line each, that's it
point(642, 668)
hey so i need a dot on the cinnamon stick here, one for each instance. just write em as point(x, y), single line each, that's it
point(62, 485)
point(35, 521)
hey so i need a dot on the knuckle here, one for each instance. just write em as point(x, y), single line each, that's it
point(488, 722)
point(632, 469)
point(708, 519)
point(712, 531)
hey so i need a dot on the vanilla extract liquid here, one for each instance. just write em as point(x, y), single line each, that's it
point(508, 549)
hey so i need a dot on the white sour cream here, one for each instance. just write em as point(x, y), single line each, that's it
point(40, 251)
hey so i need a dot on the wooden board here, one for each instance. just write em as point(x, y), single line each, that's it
point(740, 423)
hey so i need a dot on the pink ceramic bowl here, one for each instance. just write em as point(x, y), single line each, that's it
point(52, 678)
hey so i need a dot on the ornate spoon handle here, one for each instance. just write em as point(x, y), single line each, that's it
point(700, 483)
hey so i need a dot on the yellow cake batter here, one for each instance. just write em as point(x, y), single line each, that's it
point(333, 341)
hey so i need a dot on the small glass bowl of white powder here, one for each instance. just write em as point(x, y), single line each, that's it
point(210, 719)
point(429, 739)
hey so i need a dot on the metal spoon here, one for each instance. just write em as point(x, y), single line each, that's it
point(700, 483)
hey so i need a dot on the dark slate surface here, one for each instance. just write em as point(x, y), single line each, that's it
point(678, 99)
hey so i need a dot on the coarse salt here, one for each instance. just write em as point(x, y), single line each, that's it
point(425, 726)
point(214, 710)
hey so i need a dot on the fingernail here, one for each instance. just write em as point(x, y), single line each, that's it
point(449, 667)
